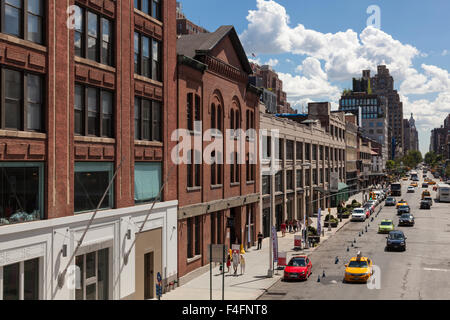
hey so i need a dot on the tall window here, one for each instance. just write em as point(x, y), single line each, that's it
point(189, 235)
point(147, 57)
point(193, 110)
point(235, 169)
point(93, 111)
point(266, 180)
point(23, 19)
point(279, 182)
point(299, 178)
point(289, 150)
point(216, 168)
point(289, 180)
point(193, 170)
point(93, 37)
point(299, 151)
point(21, 105)
point(147, 119)
point(150, 7)
point(307, 152)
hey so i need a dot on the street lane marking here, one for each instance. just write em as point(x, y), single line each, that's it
point(431, 269)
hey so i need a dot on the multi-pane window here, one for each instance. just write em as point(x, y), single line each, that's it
point(216, 168)
point(289, 180)
point(23, 19)
point(307, 177)
point(147, 119)
point(289, 150)
point(299, 151)
point(193, 169)
point(266, 184)
point(94, 275)
point(279, 182)
point(308, 152)
point(314, 152)
point(235, 169)
point(21, 101)
point(147, 57)
point(250, 170)
point(93, 37)
point(193, 110)
point(20, 281)
point(314, 172)
point(299, 179)
point(150, 7)
point(93, 111)
point(250, 119)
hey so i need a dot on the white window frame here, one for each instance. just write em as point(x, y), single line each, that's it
point(22, 278)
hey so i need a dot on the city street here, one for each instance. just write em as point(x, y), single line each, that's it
point(422, 272)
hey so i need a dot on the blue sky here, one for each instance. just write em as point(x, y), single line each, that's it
point(333, 44)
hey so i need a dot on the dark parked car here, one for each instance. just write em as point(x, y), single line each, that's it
point(396, 241)
point(406, 219)
point(424, 204)
point(403, 209)
point(390, 202)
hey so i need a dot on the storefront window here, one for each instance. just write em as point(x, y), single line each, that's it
point(21, 192)
point(91, 181)
point(94, 276)
point(147, 181)
point(20, 281)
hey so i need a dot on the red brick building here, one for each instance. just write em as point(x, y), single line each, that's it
point(85, 93)
point(217, 203)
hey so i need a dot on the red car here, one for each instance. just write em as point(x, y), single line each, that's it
point(298, 268)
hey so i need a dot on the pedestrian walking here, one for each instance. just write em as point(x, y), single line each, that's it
point(242, 264)
point(283, 229)
point(260, 239)
point(228, 263)
point(294, 223)
point(235, 262)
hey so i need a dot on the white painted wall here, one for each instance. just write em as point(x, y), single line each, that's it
point(45, 239)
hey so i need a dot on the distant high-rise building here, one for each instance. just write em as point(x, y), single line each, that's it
point(411, 136)
point(440, 139)
point(382, 84)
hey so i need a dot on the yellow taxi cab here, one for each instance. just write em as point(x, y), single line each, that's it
point(414, 184)
point(426, 193)
point(401, 203)
point(359, 269)
point(431, 182)
point(405, 179)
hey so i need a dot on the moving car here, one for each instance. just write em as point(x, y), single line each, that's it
point(414, 184)
point(359, 269)
point(402, 203)
point(372, 205)
point(298, 268)
point(390, 202)
point(429, 199)
point(411, 189)
point(405, 179)
point(386, 226)
point(396, 240)
point(406, 219)
point(403, 209)
point(359, 214)
point(425, 204)
point(425, 185)
point(426, 193)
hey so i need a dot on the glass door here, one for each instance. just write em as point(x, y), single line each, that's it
point(94, 276)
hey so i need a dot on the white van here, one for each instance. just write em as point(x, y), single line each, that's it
point(443, 193)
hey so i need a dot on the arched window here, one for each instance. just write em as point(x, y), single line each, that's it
point(237, 120)
point(213, 116)
point(219, 118)
point(232, 119)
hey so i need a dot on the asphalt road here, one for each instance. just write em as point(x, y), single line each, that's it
point(422, 272)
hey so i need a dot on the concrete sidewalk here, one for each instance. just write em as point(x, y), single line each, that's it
point(254, 282)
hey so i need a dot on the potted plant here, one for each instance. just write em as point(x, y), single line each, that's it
point(331, 220)
point(346, 214)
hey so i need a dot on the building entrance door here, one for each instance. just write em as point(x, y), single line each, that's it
point(149, 270)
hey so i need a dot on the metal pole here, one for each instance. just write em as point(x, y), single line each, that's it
point(210, 271)
point(223, 273)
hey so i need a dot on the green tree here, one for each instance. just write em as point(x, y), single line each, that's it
point(390, 165)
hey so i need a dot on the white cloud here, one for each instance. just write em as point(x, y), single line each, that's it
point(311, 85)
point(272, 62)
point(445, 52)
point(434, 79)
point(345, 53)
